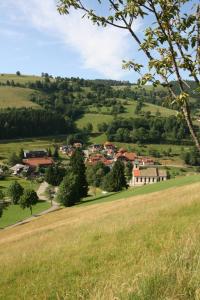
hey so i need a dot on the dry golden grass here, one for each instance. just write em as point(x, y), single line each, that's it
point(145, 247)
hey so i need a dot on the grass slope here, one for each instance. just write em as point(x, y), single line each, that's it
point(16, 97)
point(145, 247)
point(98, 115)
point(19, 79)
point(146, 189)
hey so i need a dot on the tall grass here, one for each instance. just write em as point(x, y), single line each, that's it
point(146, 247)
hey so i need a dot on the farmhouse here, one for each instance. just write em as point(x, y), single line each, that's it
point(18, 168)
point(35, 153)
point(38, 162)
point(147, 176)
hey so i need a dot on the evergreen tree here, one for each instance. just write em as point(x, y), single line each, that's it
point(21, 154)
point(118, 176)
point(15, 191)
point(68, 193)
point(56, 153)
point(13, 159)
point(1, 203)
point(128, 170)
point(28, 199)
point(115, 180)
point(78, 168)
point(54, 175)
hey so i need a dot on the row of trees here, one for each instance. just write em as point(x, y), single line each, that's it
point(32, 122)
point(143, 129)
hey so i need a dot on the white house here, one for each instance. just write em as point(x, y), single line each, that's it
point(147, 176)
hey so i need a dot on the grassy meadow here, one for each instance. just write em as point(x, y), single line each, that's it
point(9, 146)
point(14, 213)
point(16, 97)
point(145, 247)
point(19, 79)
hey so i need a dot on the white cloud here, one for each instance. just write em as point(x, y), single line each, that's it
point(100, 49)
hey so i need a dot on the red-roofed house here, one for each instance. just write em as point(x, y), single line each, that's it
point(38, 162)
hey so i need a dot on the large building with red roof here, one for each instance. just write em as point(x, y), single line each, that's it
point(38, 162)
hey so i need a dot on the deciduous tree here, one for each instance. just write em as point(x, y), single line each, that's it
point(28, 199)
point(15, 191)
point(170, 42)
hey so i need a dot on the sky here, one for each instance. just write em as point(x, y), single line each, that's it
point(36, 39)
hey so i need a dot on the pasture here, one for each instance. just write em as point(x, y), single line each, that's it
point(16, 97)
point(143, 247)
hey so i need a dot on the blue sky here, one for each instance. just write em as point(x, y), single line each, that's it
point(35, 39)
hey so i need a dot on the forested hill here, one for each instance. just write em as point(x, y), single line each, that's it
point(55, 105)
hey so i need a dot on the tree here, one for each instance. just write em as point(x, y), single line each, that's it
point(13, 159)
point(95, 174)
point(128, 170)
point(78, 168)
point(18, 73)
point(115, 180)
point(68, 193)
point(21, 154)
point(56, 153)
point(50, 193)
point(28, 199)
point(54, 175)
point(15, 191)
point(170, 43)
point(1, 203)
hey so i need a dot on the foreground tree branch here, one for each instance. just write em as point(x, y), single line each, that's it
point(171, 43)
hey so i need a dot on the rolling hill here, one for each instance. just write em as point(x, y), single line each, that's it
point(143, 247)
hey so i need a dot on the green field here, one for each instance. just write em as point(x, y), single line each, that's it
point(99, 115)
point(19, 79)
point(146, 247)
point(14, 213)
point(16, 97)
point(4, 184)
point(95, 119)
point(9, 146)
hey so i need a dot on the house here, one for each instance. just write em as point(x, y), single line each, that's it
point(109, 146)
point(96, 147)
point(77, 145)
point(125, 156)
point(94, 159)
point(35, 153)
point(147, 176)
point(38, 162)
point(18, 168)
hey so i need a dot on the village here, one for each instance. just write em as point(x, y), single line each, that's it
point(144, 169)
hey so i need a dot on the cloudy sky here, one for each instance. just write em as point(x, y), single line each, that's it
point(35, 39)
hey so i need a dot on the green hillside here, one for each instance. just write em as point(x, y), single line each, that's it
point(16, 97)
point(98, 115)
point(18, 79)
point(146, 247)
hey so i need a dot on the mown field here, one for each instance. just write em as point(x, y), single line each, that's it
point(14, 213)
point(144, 247)
point(16, 97)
